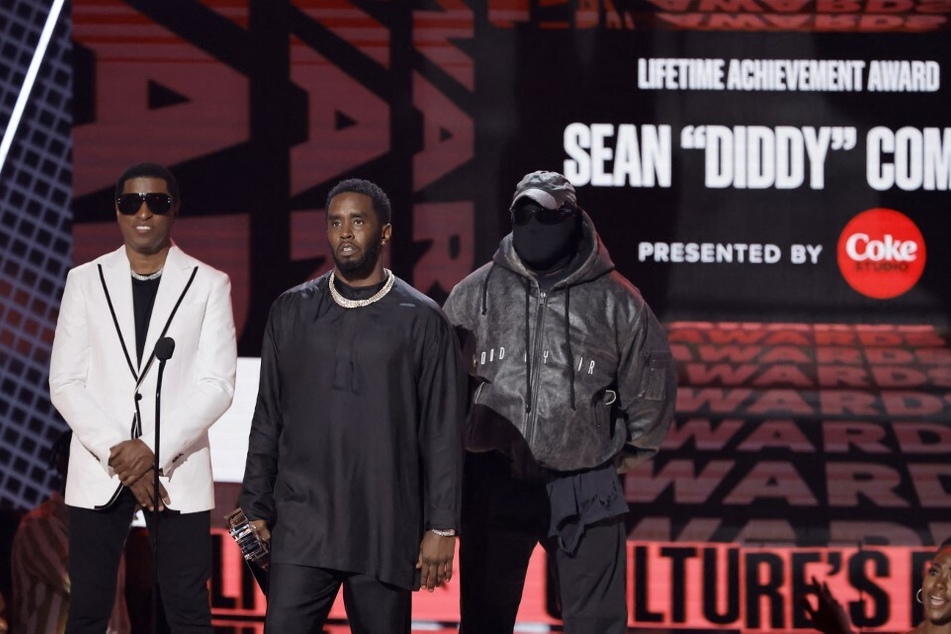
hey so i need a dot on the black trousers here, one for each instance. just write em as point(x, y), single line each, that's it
point(96, 541)
point(503, 521)
point(300, 597)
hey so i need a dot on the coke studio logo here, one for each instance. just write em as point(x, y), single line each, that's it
point(881, 253)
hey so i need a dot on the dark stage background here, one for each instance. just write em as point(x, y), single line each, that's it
point(772, 174)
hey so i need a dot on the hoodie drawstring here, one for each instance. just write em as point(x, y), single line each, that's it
point(571, 358)
point(528, 352)
point(485, 289)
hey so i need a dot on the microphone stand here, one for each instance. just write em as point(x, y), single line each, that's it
point(163, 351)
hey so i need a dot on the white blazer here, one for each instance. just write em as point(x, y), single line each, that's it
point(93, 380)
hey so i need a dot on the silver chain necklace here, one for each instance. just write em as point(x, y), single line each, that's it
point(359, 303)
point(147, 278)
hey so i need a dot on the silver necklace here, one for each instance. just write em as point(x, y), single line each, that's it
point(146, 278)
point(359, 303)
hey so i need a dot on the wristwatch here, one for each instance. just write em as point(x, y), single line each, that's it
point(448, 532)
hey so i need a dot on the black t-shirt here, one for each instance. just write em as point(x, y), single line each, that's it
point(143, 299)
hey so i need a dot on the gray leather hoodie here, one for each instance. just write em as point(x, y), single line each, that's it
point(565, 380)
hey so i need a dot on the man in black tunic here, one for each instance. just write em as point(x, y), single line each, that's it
point(355, 454)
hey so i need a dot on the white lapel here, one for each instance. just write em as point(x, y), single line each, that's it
point(115, 270)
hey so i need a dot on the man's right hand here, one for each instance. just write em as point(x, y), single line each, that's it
point(144, 491)
point(260, 527)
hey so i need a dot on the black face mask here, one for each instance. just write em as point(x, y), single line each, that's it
point(545, 246)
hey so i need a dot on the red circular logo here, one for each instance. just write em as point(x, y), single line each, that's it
point(881, 253)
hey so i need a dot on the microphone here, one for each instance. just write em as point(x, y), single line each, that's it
point(164, 348)
point(162, 351)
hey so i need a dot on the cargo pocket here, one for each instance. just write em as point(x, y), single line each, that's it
point(656, 381)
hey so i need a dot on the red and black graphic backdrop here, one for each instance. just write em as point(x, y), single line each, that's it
point(772, 174)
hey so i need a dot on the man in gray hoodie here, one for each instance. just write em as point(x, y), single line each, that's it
point(572, 382)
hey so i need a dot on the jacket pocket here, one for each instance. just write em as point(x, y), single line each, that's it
point(658, 367)
point(602, 410)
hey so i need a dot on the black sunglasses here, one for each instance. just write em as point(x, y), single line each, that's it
point(129, 204)
point(523, 213)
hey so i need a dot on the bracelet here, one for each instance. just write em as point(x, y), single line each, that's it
point(450, 532)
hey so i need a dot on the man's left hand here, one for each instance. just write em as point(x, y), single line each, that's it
point(130, 459)
point(144, 491)
point(435, 560)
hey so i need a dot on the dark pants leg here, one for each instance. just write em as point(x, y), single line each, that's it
point(184, 569)
point(299, 598)
point(503, 520)
point(592, 580)
point(374, 607)
point(96, 540)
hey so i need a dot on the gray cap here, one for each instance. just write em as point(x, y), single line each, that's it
point(551, 190)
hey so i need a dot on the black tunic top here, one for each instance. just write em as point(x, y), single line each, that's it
point(355, 446)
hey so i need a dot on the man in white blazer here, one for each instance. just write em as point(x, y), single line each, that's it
point(117, 312)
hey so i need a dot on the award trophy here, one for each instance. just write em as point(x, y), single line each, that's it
point(254, 550)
